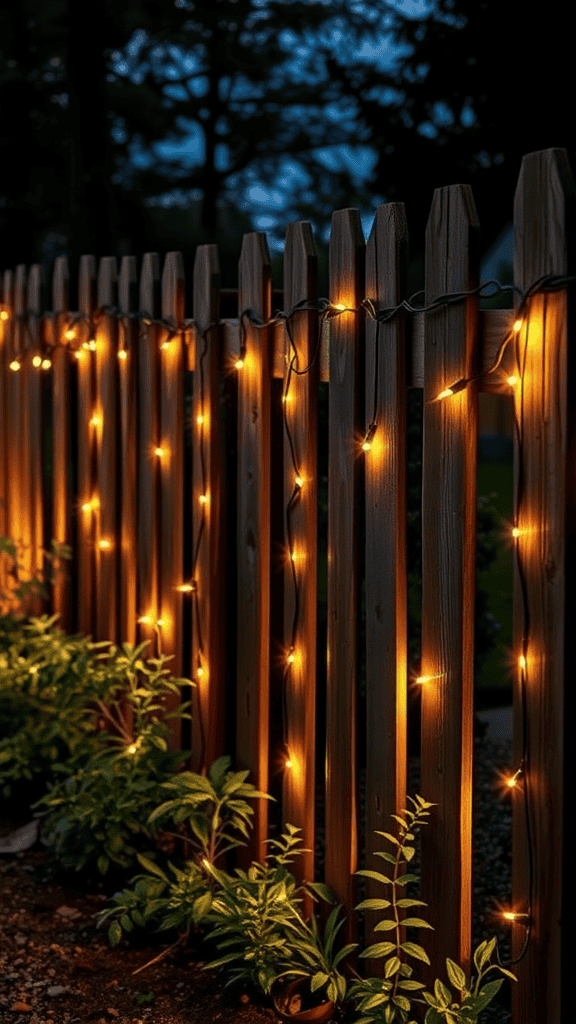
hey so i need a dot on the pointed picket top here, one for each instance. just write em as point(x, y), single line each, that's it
point(87, 284)
point(107, 281)
point(253, 282)
point(61, 285)
point(300, 263)
point(128, 285)
point(173, 288)
point(207, 282)
point(542, 202)
point(150, 301)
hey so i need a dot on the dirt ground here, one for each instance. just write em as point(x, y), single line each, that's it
point(56, 967)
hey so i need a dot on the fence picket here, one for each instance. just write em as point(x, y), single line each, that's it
point(63, 526)
point(128, 447)
point(208, 622)
point(300, 508)
point(34, 393)
point(544, 223)
point(253, 654)
point(87, 480)
point(448, 575)
point(386, 588)
point(346, 256)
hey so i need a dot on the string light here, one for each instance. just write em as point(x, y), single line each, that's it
point(328, 311)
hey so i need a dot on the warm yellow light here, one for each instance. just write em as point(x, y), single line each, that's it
point(239, 364)
point(286, 398)
point(69, 334)
point(132, 748)
point(4, 315)
point(96, 420)
point(145, 620)
point(14, 365)
point(122, 353)
point(92, 345)
point(288, 763)
point(338, 305)
point(299, 481)
point(512, 380)
point(509, 915)
point(95, 503)
point(200, 671)
point(205, 862)
point(160, 622)
point(159, 452)
point(518, 325)
point(46, 364)
point(200, 419)
point(366, 446)
point(185, 588)
point(105, 545)
point(165, 344)
point(515, 531)
point(293, 556)
point(446, 393)
point(87, 506)
point(203, 499)
point(423, 679)
point(36, 361)
point(522, 662)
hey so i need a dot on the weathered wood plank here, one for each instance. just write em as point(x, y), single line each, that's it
point(545, 510)
point(301, 505)
point(5, 331)
point(386, 587)
point(253, 579)
point(208, 602)
point(448, 575)
point(35, 395)
point(345, 426)
point(171, 441)
point(106, 434)
point(128, 446)
point(90, 499)
point(148, 467)
point(64, 379)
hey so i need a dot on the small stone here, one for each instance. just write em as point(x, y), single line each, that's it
point(56, 990)
point(112, 1011)
point(21, 1008)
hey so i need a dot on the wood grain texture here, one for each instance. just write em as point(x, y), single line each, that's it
point(171, 439)
point(64, 379)
point(345, 426)
point(148, 468)
point(301, 457)
point(448, 576)
point(545, 407)
point(128, 447)
point(5, 331)
point(253, 536)
point(386, 591)
point(35, 397)
point(209, 625)
point(106, 433)
point(87, 480)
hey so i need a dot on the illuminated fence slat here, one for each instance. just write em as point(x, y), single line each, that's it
point(228, 626)
point(448, 571)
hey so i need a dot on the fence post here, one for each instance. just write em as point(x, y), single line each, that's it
point(87, 479)
point(34, 436)
point(386, 588)
point(545, 569)
point(347, 283)
point(208, 600)
point(254, 397)
point(448, 575)
point(300, 533)
point(128, 441)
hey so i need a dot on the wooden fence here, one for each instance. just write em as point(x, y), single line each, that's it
point(225, 554)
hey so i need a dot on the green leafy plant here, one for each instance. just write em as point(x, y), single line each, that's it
point(385, 1001)
point(32, 587)
point(319, 958)
point(257, 918)
point(215, 809)
point(93, 812)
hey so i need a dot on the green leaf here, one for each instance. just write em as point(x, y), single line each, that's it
point(392, 966)
point(152, 867)
point(410, 903)
point(378, 950)
point(456, 975)
point(103, 864)
point(411, 986)
point(415, 922)
point(318, 980)
point(114, 933)
point(442, 993)
point(402, 1002)
point(390, 837)
point(374, 905)
point(405, 879)
point(484, 952)
point(408, 852)
point(376, 876)
point(384, 926)
point(416, 951)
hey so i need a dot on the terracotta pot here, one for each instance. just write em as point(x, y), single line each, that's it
point(289, 996)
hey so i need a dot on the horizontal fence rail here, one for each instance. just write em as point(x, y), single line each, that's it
point(212, 551)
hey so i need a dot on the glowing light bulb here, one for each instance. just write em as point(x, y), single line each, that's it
point(289, 763)
point(291, 658)
point(96, 420)
point(299, 481)
point(105, 545)
point(46, 364)
point(122, 354)
point(518, 325)
point(185, 588)
point(4, 315)
point(132, 748)
point(160, 622)
point(239, 364)
point(286, 398)
point(522, 662)
point(423, 679)
point(159, 451)
point(15, 365)
point(509, 915)
point(200, 419)
point(145, 620)
point(446, 393)
point(36, 361)
point(366, 446)
point(165, 344)
point(95, 503)
point(203, 499)
point(69, 334)
point(512, 380)
point(338, 305)
point(293, 556)
point(515, 531)
point(87, 506)
point(79, 354)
